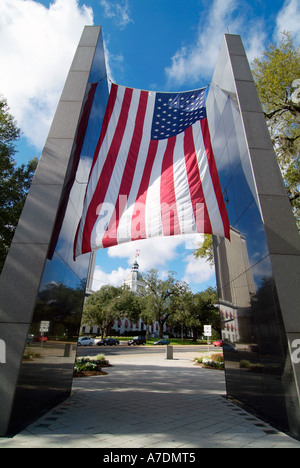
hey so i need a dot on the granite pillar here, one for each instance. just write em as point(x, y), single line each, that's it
point(40, 282)
point(258, 272)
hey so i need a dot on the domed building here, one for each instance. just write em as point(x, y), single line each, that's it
point(134, 279)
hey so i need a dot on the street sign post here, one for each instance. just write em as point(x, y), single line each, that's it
point(207, 330)
point(207, 333)
point(44, 328)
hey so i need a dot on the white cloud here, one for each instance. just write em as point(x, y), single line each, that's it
point(158, 253)
point(288, 19)
point(197, 270)
point(154, 253)
point(197, 61)
point(114, 278)
point(118, 11)
point(112, 60)
point(37, 48)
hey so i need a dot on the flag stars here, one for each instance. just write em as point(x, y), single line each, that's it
point(175, 112)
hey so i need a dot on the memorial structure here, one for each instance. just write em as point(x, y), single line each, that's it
point(40, 281)
point(41, 287)
point(258, 271)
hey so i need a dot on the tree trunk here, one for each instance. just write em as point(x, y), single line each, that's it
point(195, 335)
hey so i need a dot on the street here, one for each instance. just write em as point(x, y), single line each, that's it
point(125, 349)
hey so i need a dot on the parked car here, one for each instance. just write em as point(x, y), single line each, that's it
point(108, 342)
point(97, 340)
point(30, 338)
point(218, 343)
point(137, 340)
point(162, 342)
point(229, 347)
point(41, 339)
point(85, 341)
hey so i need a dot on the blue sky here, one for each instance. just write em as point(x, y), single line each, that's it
point(164, 45)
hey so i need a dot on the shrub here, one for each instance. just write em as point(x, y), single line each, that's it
point(29, 355)
point(100, 358)
point(217, 357)
point(244, 364)
point(90, 363)
point(86, 366)
point(216, 361)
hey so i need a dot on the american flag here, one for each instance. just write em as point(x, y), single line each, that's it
point(153, 172)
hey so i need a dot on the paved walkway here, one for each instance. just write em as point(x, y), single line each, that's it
point(146, 401)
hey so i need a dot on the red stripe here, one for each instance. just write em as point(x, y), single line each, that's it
point(105, 176)
point(169, 215)
point(215, 177)
point(108, 112)
point(195, 184)
point(110, 238)
point(138, 222)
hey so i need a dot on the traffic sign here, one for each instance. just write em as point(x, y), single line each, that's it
point(44, 326)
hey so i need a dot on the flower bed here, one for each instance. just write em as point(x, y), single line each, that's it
point(89, 366)
point(215, 361)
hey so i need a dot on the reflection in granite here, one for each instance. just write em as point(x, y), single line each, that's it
point(46, 372)
point(259, 373)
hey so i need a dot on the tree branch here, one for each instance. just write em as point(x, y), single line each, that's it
point(294, 197)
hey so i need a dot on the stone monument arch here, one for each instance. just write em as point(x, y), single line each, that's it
point(257, 272)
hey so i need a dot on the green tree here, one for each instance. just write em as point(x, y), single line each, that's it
point(275, 75)
point(205, 250)
point(146, 313)
point(56, 302)
point(108, 304)
point(14, 181)
point(181, 316)
point(196, 310)
point(205, 311)
point(159, 302)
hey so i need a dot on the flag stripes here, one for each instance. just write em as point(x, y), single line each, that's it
point(140, 187)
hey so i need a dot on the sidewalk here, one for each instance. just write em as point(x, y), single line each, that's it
point(146, 401)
